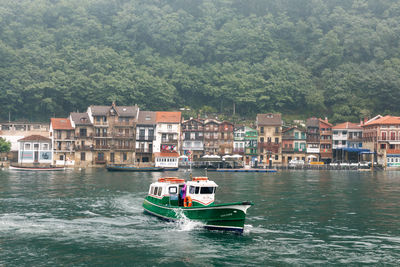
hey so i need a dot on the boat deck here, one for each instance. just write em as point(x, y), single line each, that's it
point(244, 170)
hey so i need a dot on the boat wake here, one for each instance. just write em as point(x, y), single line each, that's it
point(184, 224)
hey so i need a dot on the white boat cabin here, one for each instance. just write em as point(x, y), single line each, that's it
point(177, 192)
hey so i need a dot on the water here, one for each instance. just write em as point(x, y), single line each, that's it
point(93, 217)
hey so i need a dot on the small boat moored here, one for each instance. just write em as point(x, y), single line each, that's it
point(172, 199)
point(122, 168)
point(21, 168)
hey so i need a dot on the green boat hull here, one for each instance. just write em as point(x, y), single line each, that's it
point(229, 216)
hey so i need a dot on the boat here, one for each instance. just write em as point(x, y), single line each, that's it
point(244, 170)
point(174, 199)
point(121, 168)
point(20, 168)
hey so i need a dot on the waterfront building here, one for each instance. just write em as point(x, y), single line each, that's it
point(293, 144)
point(250, 140)
point(269, 129)
point(114, 133)
point(13, 131)
point(238, 140)
point(325, 130)
point(211, 136)
point(83, 138)
point(382, 136)
point(312, 139)
point(347, 142)
point(62, 136)
point(193, 138)
point(145, 136)
point(35, 149)
point(166, 159)
point(168, 131)
point(225, 140)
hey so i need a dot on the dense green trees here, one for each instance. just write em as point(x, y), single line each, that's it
point(5, 145)
point(336, 58)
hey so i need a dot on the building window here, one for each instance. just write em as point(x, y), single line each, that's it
point(276, 157)
point(276, 140)
point(262, 130)
point(27, 146)
point(169, 127)
point(125, 156)
point(83, 156)
point(383, 146)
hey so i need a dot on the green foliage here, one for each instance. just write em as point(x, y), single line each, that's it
point(300, 57)
point(5, 146)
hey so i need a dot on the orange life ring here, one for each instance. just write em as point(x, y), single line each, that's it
point(187, 202)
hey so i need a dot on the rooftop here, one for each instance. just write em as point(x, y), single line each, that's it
point(80, 118)
point(61, 124)
point(147, 117)
point(168, 116)
point(36, 138)
point(386, 120)
point(347, 125)
point(269, 119)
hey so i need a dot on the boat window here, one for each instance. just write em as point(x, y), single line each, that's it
point(155, 190)
point(159, 191)
point(151, 190)
point(207, 190)
point(197, 190)
point(191, 189)
point(173, 190)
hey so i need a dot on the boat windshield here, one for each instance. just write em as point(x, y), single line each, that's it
point(207, 190)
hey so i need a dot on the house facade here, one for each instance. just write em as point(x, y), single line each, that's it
point(238, 140)
point(145, 136)
point(211, 137)
point(168, 132)
point(269, 130)
point(325, 130)
point(293, 144)
point(62, 136)
point(312, 139)
point(114, 135)
point(225, 133)
point(251, 144)
point(382, 136)
point(193, 138)
point(347, 142)
point(84, 131)
point(35, 149)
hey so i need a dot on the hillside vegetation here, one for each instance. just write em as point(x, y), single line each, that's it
point(336, 58)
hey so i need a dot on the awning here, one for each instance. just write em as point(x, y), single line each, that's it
point(356, 150)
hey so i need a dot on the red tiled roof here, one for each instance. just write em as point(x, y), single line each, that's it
point(168, 116)
point(347, 125)
point(35, 138)
point(172, 154)
point(387, 120)
point(61, 124)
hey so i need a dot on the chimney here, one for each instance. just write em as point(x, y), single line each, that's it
point(365, 120)
point(113, 103)
point(326, 119)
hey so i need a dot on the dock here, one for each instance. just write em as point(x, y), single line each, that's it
point(243, 170)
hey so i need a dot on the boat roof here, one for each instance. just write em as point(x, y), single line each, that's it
point(196, 181)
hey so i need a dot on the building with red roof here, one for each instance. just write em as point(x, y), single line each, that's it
point(168, 131)
point(382, 136)
point(62, 136)
point(34, 150)
point(347, 142)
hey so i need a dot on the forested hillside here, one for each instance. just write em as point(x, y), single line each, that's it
point(336, 58)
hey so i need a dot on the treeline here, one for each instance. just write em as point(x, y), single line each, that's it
point(336, 58)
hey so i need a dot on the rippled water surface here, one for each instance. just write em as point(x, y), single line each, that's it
point(92, 217)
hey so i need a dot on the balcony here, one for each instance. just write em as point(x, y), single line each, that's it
point(83, 136)
point(169, 141)
point(311, 139)
point(128, 148)
point(123, 124)
point(146, 138)
point(100, 123)
point(84, 148)
point(293, 137)
point(326, 153)
point(144, 150)
point(238, 150)
point(273, 147)
point(123, 135)
point(102, 135)
point(293, 150)
point(325, 141)
point(277, 133)
point(101, 147)
point(100, 161)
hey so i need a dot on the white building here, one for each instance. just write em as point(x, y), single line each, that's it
point(34, 149)
point(166, 159)
point(168, 131)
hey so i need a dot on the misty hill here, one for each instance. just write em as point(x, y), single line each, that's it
point(321, 57)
